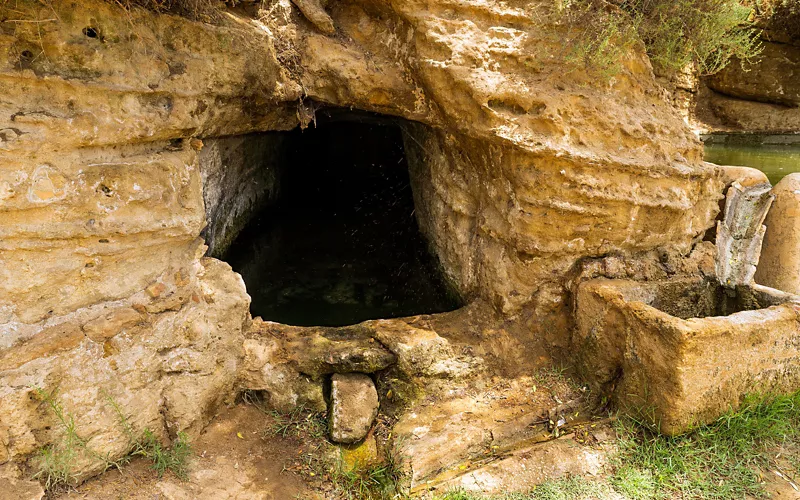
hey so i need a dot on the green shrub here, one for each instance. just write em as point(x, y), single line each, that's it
point(56, 461)
point(675, 33)
point(175, 458)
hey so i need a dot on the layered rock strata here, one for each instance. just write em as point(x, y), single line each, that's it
point(522, 168)
point(761, 97)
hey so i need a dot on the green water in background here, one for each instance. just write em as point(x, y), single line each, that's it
point(776, 156)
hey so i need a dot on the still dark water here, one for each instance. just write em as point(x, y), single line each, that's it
point(776, 156)
point(342, 244)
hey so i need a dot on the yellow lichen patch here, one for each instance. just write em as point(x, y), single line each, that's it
point(359, 455)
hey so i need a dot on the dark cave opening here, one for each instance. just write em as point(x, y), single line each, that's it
point(340, 244)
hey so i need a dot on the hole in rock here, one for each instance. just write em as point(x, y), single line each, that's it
point(91, 32)
point(339, 244)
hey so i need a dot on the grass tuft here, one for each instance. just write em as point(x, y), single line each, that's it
point(56, 461)
point(376, 482)
point(298, 422)
point(176, 458)
point(566, 488)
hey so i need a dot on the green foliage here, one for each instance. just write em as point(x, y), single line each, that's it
point(600, 36)
point(377, 482)
point(56, 462)
point(708, 33)
point(716, 461)
point(676, 33)
point(175, 458)
point(566, 488)
point(381, 481)
point(634, 483)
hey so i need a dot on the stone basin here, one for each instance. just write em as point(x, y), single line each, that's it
point(683, 352)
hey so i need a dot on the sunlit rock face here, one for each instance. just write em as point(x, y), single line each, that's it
point(116, 152)
point(762, 95)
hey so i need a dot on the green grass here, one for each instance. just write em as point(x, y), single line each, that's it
point(175, 458)
point(720, 461)
point(567, 488)
point(377, 482)
point(717, 461)
point(56, 462)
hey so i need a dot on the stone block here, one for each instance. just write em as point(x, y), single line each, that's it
point(683, 352)
point(779, 266)
point(354, 406)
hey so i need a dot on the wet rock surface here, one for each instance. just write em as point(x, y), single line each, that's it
point(354, 406)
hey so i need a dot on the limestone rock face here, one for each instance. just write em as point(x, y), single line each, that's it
point(354, 406)
point(774, 79)
point(166, 370)
point(240, 176)
point(118, 149)
point(517, 171)
point(780, 254)
point(760, 97)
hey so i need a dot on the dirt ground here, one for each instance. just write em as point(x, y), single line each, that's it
point(234, 459)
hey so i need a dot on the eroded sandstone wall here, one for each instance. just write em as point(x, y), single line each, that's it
point(104, 295)
point(522, 167)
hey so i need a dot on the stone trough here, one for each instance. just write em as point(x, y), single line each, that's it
point(683, 352)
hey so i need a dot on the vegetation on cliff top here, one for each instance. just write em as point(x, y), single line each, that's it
point(676, 33)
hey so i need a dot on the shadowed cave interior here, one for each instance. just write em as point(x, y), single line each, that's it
point(340, 244)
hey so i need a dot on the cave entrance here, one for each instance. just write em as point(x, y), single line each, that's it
point(340, 244)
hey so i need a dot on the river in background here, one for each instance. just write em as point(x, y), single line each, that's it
point(775, 155)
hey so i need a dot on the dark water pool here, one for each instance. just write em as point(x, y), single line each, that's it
point(342, 244)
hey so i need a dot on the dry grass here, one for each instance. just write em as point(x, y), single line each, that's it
point(197, 10)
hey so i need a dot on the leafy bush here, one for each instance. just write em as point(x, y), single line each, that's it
point(707, 33)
